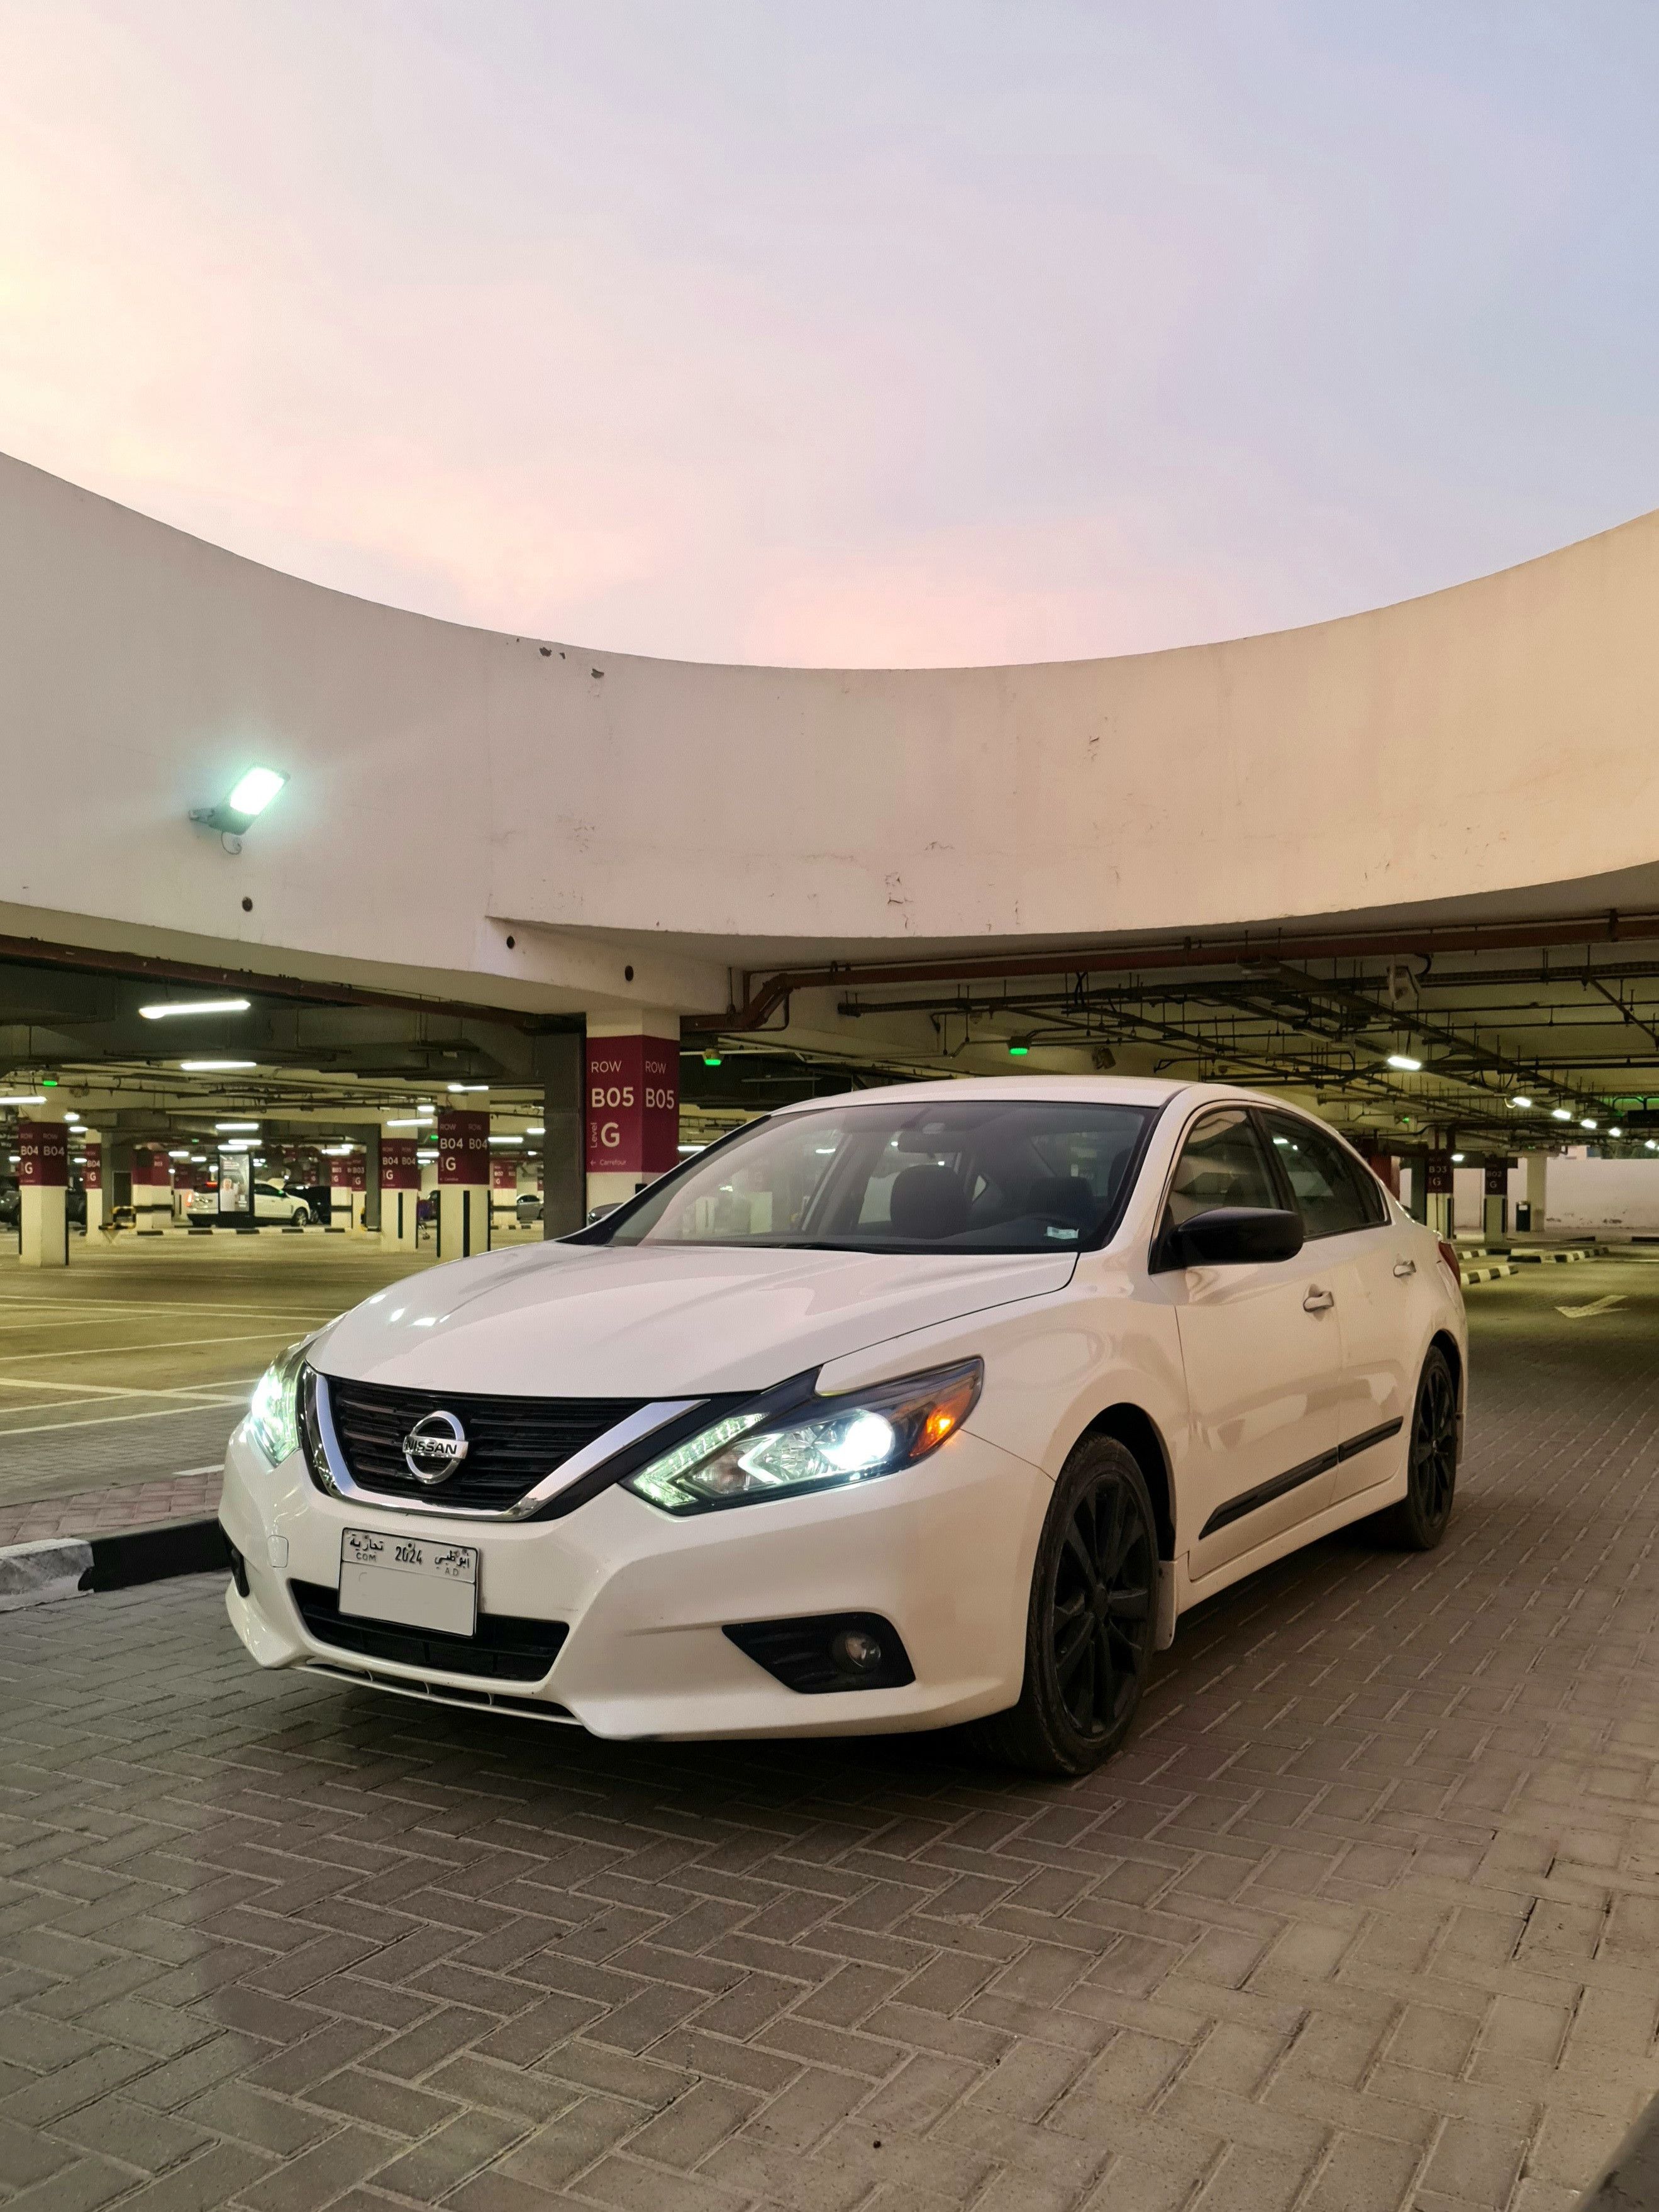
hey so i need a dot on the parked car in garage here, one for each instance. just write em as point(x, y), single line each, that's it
point(529, 1208)
point(933, 1405)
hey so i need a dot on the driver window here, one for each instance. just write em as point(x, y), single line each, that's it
point(1221, 1164)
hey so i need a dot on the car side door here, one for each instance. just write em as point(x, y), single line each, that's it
point(1262, 1358)
point(1346, 1220)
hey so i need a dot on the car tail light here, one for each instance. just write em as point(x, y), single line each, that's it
point(1448, 1254)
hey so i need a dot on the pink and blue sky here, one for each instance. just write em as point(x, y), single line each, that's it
point(861, 331)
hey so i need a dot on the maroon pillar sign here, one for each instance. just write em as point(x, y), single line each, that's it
point(151, 1170)
point(399, 1168)
point(92, 1174)
point(463, 1150)
point(43, 1155)
point(1437, 1174)
point(633, 1099)
point(503, 1173)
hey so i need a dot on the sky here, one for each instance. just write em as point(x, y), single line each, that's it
point(851, 332)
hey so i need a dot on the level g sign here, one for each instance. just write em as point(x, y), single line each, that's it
point(633, 1101)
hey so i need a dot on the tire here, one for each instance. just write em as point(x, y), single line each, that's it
point(301, 1218)
point(1418, 1521)
point(1089, 1628)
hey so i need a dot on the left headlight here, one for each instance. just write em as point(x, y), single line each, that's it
point(749, 1456)
point(274, 1416)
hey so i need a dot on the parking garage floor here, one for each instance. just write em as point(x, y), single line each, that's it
point(122, 1376)
point(1365, 1916)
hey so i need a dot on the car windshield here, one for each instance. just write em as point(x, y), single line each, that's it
point(969, 1175)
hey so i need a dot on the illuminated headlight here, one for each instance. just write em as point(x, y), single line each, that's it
point(274, 1416)
point(749, 1456)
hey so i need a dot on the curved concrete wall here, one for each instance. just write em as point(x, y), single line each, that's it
point(449, 784)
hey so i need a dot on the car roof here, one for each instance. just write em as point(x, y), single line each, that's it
point(1092, 1090)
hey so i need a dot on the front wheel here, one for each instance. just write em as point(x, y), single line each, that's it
point(1089, 1631)
point(1418, 1521)
point(301, 1216)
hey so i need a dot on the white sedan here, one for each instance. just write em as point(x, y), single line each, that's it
point(918, 1406)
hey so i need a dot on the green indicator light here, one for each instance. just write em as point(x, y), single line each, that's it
point(49, 1083)
point(1018, 1051)
point(711, 1060)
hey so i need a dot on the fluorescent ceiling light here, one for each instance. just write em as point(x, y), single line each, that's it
point(256, 791)
point(535, 1128)
point(506, 1140)
point(32, 1098)
point(1457, 1159)
point(196, 1006)
point(1587, 1124)
point(1518, 1101)
point(237, 1144)
point(1615, 1131)
point(215, 1066)
point(236, 1125)
point(1560, 1114)
point(1403, 1060)
point(421, 1122)
point(469, 1087)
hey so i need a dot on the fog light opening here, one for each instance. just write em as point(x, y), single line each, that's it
point(858, 1651)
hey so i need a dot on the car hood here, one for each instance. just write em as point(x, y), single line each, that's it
point(571, 1321)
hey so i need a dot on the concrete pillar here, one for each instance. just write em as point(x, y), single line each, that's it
point(558, 1061)
point(400, 1192)
point(1495, 1214)
point(371, 1179)
point(503, 1190)
point(92, 1182)
point(1437, 1184)
point(1538, 1168)
point(463, 1184)
point(152, 1190)
point(632, 1094)
point(184, 1191)
point(43, 1188)
point(348, 1186)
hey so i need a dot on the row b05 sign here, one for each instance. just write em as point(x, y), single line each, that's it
point(633, 1101)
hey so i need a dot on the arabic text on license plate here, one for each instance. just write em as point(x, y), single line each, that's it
point(409, 1580)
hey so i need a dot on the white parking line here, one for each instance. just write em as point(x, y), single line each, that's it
point(109, 1421)
point(131, 1351)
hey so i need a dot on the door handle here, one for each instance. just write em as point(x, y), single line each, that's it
point(1319, 1302)
point(1404, 1266)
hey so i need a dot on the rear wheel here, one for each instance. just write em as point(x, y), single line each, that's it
point(1089, 1631)
point(1418, 1521)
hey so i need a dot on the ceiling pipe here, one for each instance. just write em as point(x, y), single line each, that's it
point(764, 993)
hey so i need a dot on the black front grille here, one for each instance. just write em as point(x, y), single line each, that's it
point(512, 1442)
point(508, 1649)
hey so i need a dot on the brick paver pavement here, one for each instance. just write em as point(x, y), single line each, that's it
point(1366, 1916)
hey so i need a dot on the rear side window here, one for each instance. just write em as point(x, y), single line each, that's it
point(1330, 1189)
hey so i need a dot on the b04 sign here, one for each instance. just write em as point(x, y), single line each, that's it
point(632, 1096)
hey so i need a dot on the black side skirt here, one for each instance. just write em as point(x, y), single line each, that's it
point(1251, 1501)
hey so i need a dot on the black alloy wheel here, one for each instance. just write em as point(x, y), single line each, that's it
point(1418, 1521)
point(1088, 1635)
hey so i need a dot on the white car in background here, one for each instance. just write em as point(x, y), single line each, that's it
point(918, 1406)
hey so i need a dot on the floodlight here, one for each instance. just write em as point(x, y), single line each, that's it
point(248, 800)
point(162, 1014)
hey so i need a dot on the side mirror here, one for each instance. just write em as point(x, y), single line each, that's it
point(1233, 1237)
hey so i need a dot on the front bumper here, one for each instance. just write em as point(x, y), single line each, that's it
point(943, 1551)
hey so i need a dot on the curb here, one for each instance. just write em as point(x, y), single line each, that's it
point(1629, 2182)
point(1536, 1257)
point(1492, 1272)
point(66, 1566)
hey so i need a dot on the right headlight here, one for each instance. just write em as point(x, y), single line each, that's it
point(833, 1442)
point(274, 1415)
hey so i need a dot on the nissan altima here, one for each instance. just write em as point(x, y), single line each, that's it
point(922, 1406)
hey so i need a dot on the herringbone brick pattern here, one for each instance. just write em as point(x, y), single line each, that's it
point(1365, 1918)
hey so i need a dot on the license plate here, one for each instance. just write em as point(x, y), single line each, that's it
point(409, 1580)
